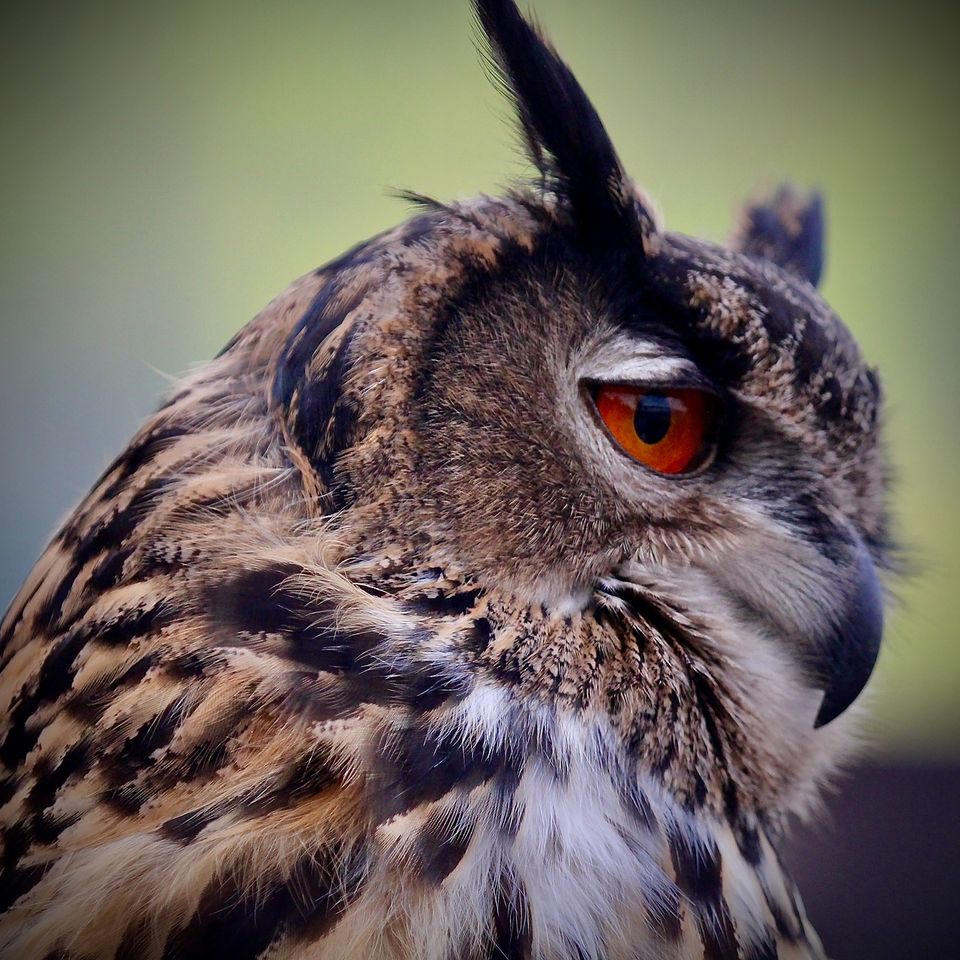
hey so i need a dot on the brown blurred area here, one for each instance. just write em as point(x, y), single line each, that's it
point(880, 874)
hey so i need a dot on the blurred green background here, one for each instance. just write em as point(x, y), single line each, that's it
point(167, 169)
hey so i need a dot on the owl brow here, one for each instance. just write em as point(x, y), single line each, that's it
point(642, 360)
point(678, 376)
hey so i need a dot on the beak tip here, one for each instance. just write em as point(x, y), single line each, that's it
point(849, 656)
point(830, 709)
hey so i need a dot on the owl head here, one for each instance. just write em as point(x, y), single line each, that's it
point(604, 436)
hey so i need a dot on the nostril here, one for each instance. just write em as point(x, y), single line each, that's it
point(845, 659)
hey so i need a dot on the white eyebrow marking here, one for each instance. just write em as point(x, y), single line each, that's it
point(625, 359)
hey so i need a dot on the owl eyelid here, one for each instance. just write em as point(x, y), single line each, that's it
point(692, 381)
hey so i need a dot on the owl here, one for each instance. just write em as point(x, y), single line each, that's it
point(495, 593)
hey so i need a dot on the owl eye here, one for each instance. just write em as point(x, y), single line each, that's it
point(670, 430)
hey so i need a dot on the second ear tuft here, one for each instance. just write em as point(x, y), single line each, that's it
point(787, 229)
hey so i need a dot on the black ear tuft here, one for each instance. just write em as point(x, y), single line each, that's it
point(786, 229)
point(564, 135)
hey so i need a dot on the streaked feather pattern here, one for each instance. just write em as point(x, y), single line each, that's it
point(340, 659)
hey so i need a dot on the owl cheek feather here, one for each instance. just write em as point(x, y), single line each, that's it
point(846, 657)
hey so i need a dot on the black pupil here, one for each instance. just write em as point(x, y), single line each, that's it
point(652, 419)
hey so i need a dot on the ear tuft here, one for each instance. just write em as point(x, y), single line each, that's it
point(786, 229)
point(564, 135)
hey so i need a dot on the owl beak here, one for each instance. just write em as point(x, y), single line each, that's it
point(846, 658)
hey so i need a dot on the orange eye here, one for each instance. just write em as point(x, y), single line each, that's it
point(669, 430)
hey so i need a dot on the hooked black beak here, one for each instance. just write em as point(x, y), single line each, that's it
point(845, 659)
